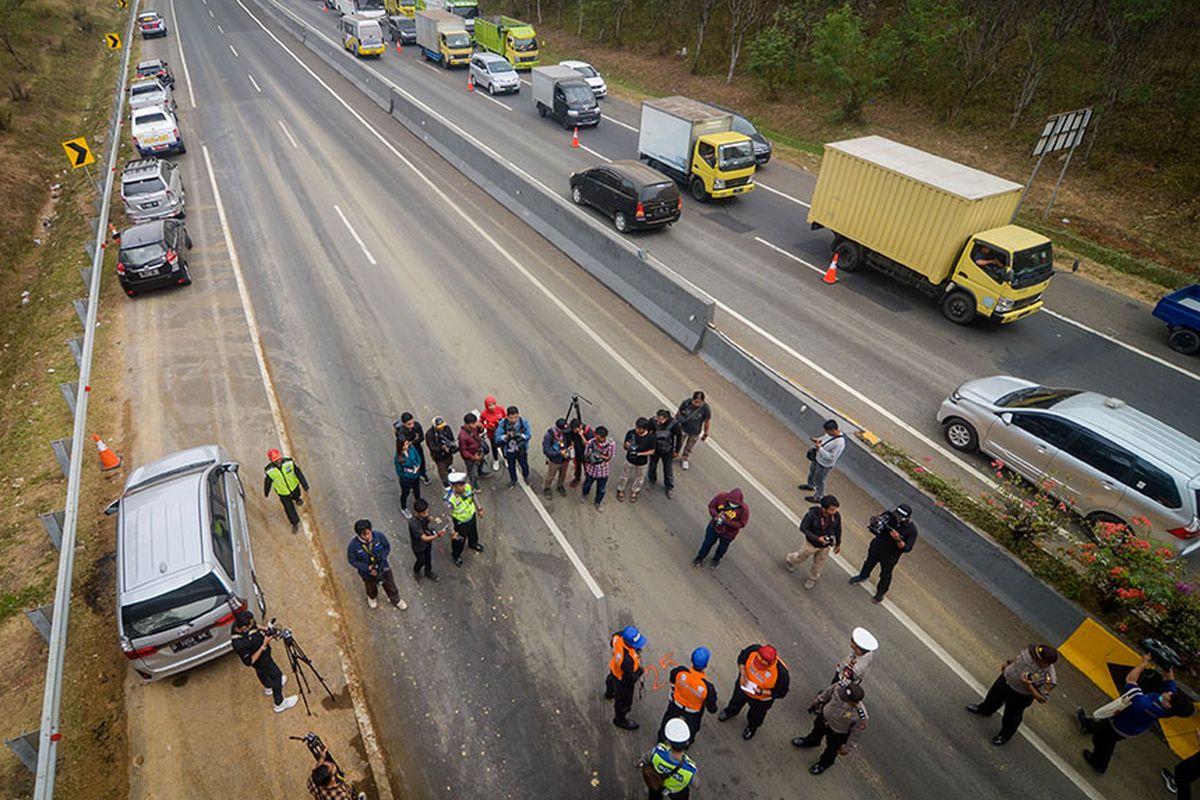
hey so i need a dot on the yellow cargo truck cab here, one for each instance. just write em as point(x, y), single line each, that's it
point(696, 145)
point(396, 8)
point(725, 163)
point(1005, 270)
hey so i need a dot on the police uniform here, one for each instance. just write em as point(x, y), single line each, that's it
point(464, 511)
point(840, 713)
point(678, 774)
point(692, 694)
point(286, 478)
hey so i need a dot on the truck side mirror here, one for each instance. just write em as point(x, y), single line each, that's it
point(112, 507)
point(230, 466)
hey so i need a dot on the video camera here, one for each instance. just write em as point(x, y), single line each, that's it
point(283, 633)
point(1162, 655)
point(882, 523)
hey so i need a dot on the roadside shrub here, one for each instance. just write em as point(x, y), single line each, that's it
point(772, 60)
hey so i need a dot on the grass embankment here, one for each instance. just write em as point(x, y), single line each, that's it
point(57, 86)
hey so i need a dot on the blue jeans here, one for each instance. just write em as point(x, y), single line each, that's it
point(711, 538)
point(521, 457)
point(601, 487)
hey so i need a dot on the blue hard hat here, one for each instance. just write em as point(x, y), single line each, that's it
point(700, 657)
point(633, 637)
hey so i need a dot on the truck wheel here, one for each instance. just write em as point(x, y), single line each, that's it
point(850, 255)
point(961, 435)
point(959, 307)
point(698, 192)
point(541, 110)
point(1184, 340)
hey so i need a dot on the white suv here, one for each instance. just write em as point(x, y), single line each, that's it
point(494, 73)
point(152, 189)
point(148, 92)
point(156, 131)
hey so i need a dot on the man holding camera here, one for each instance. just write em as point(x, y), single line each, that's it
point(668, 439)
point(556, 448)
point(512, 438)
point(327, 783)
point(253, 646)
point(822, 529)
point(1026, 677)
point(368, 553)
point(442, 447)
point(894, 535)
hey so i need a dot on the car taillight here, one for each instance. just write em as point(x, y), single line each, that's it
point(171, 256)
point(228, 618)
point(679, 203)
point(1184, 533)
point(176, 132)
point(120, 268)
point(134, 654)
point(170, 194)
point(640, 211)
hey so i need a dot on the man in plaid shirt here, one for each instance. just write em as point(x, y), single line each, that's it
point(597, 457)
point(327, 783)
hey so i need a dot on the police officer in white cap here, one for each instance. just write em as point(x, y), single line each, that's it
point(853, 667)
point(667, 770)
point(464, 509)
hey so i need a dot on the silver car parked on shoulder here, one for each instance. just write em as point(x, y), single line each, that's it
point(184, 567)
point(1104, 458)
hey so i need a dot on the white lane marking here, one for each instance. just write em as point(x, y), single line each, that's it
point(487, 96)
point(288, 134)
point(357, 699)
point(786, 254)
point(1156, 359)
point(256, 86)
point(527, 83)
point(214, 16)
point(354, 233)
point(187, 76)
point(593, 152)
point(616, 121)
point(572, 556)
point(785, 195)
point(220, 29)
point(427, 65)
point(235, 52)
point(919, 633)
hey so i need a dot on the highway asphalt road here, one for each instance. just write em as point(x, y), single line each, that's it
point(382, 280)
point(757, 256)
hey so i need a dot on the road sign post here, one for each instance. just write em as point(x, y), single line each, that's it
point(1062, 132)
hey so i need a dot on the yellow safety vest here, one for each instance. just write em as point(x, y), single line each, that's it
point(676, 775)
point(283, 478)
point(462, 506)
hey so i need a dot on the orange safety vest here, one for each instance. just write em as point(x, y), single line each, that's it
point(690, 689)
point(762, 678)
point(620, 648)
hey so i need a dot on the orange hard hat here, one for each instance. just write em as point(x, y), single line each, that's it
point(273, 454)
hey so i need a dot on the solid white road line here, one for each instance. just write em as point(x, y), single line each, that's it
point(256, 86)
point(187, 76)
point(1067, 770)
point(572, 556)
point(785, 195)
point(357, 699)
point(1156, 359)
point(288, 134)
point(354, 233)
point(427, 65)
point(487, 96)
point(214, 16)
point(593, 152)
point(786, 254)
point(235, 52)
point(220, 29)
point(625, 125)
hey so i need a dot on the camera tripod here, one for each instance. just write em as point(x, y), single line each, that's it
point(573, 406)
point(298, 660)
point(315, 746)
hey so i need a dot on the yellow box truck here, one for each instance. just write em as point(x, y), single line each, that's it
point(696, 145)
point(934, 224)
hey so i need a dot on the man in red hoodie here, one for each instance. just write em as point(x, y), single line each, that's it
point(491, 415)
point(728, 514)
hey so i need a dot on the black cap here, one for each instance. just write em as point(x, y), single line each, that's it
point(904, 511)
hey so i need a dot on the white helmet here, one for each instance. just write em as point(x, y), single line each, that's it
point(677, 731)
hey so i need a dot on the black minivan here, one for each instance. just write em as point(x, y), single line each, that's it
point(630, 193)
point(153, 255)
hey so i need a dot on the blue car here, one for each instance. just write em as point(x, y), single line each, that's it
point(1181, 311)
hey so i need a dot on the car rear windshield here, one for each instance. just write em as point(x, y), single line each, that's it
point(658, 193)
point(144, 254)
point(149, 69)
point(145, 88)
point(145, 119)
point(174, 608)
point(1035, 397)
point(143, 186)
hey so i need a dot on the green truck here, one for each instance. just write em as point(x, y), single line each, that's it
point(467, 9)
point(508, 37)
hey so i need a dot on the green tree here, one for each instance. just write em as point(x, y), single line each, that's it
point(772, 59)
point(846, 68)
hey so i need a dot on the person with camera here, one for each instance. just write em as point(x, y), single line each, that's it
point(471, 446)
point(407, 428)
point(512, 438)
point(1132, 713)
point(422, 536)
point(287, 479)
point(442, 446)
point(556, 449)
point(326, 781)
point(728, 515)
point(253, 646)
point(823, 457)
point(668, 439)
point(694, 418)
point(667, 770)
point(578, 436)
point(1179, 780)
point(839, 714)
point(597, 456)
point(1026, 677)
point(894, 535)
point(368, 553)
point(639, 446)
point(822, 529)
point(465, 511)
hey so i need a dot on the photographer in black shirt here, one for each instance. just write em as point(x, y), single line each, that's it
point(253, 646)
point(894, 535)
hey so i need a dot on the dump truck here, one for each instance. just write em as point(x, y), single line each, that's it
point(468, 10)
point(933, 224)
point(561, 93)
point(443, 38)
point(508, 37)
point(696, 145)
point(400, 8)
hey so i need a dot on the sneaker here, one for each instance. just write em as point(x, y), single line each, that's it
point(417, 575)
point(715, 565)
point(425, 479)
point(817, 768)
point(975, 709)
point(495, 466)
point(547, 493)
point(1085, 723)
point(802, 741)
point(267, 691)
point(669, 491)
point(295, 527)
point(805, 487)
point(748, 733)
point(583, 498)
point(403, 606)
point(857, 579)
point(407, 514)
point(724, 715)
point(697, 562)
point(372, 602)
point(877, 599)
point(633, 497)
point(287, 703)
point(789, 566)
point(478, 548)
point(1087, 756)
point(1169, 779)
point(810, 583)
point(511, 484)
point(685, 464)
point(620, 495)
point(599, 508)
point(812, 498)
point(458, 562)
point(562, 490)
point(433, 576)
point(999, 740)
point(627, 724)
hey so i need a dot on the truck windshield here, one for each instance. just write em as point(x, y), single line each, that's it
point(579, 96)
point(737, 156)
point(524, 45)
point(458, 40)
point(370, 5)
point(466, 12)
point(1032, 263)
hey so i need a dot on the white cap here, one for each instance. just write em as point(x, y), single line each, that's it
point(458, 477)
point(863, 638)
point(677, 731)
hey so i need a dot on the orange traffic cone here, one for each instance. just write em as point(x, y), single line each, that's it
point(470, 81)
point(575, 138)
point(113, 233)
point(831, 273)
point(108, 459)
point(397, 45)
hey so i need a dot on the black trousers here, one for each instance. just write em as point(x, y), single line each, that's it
point(468, 534)
point(270, 676)
point(371, 584)
point(682, 794)
point(1104, 741)
point(692, 718)
point(409, 487)
point(1186, 773)
point(886, 563)
point(758, 708)
point(290, 501)
point(421, 452)
point(424, 561)
point(668, 467)
point(1015, 703)
point(622, 694)
point(833, 741)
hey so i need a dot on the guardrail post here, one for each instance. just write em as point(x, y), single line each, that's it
point(25, 747)
point(81, 308)
point(62, 451)
point(76, 347)
point(69, 393)
point(42, 618)
point(53, 522)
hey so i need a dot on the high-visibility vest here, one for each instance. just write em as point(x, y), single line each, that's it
point(761, 678)
point(620, 648)
point(691, 689)
point(676, 776)
point(283, 477)
point(462, 506)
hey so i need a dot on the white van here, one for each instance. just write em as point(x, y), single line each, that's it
point(361, 36)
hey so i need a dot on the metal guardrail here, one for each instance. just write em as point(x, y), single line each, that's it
point(49, 733)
